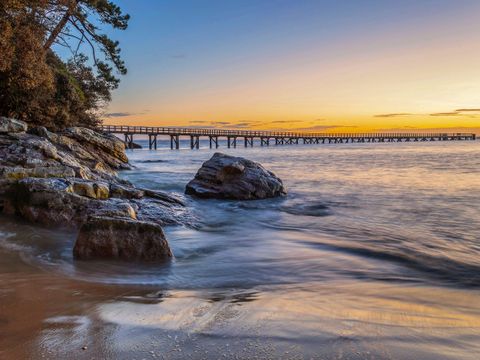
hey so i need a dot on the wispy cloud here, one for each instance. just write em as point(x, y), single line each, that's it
point(470, 112)
point(241, 125)
point(451, 129)
point(453, 113)
point(392, 115)
point(117, 114)
point(198, 121)
point(467, 110)
point(284, 121)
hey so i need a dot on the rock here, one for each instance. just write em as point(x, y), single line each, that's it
point(164, 213)
point(64, 179)
point(126, 192)
point(45, 201)
point(117, 208)
point(52, 172)
point(102, 190)
point(11, 125)
point(94, 190)
point(37, 171)
point(109, 238)
point(164, 197)
point(229, 177)
point(133, 145)
point(108, 143)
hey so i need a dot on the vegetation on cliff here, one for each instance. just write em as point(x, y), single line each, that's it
point(56, 67)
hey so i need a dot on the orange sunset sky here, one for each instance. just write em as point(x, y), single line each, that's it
point(336, 66)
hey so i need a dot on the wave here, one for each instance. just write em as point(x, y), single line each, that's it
point(308, 209)
point(444, 270)
point(151, 161)
point(10, 245)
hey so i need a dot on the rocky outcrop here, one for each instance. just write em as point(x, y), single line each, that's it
point(69, 178)
point(11, 125)
point(123, 239)
point(229, 177)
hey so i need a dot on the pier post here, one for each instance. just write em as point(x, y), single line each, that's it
point(231, 140)
point(152, 141)
point(174, 142)
point(214, 140)
point(194, 142)
point(128, 140)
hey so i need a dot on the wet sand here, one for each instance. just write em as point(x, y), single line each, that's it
point(46, 315)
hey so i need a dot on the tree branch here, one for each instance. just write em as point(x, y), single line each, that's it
point(61, 24)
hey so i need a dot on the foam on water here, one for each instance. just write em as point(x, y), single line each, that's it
point(399, 212)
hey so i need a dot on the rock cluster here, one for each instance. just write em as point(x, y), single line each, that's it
point(229, 177)
point(69, 179)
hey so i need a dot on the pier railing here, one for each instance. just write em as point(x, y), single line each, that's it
point(280, 137)
point(153, 130)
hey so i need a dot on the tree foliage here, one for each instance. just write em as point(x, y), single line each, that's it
point(36, 84)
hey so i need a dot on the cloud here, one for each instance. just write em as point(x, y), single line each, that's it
point(392, 115)
point(198, 121)
point(283, 121)
point(117, 114)
point(454, 113)
point(413, 129)
point(241, 125)
point(459, 112)
point(467, 110)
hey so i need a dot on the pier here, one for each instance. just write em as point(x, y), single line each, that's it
point(267, 138)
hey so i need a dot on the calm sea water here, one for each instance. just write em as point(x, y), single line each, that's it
point(376, 238)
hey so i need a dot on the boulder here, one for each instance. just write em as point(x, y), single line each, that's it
point(122, 239)
point(108, 143)
point(229, 177)
point(48, 201)
point(11, 125)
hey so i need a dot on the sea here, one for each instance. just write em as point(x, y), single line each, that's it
point(373, 254)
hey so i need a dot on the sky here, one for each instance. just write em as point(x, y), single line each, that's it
point(335, 66)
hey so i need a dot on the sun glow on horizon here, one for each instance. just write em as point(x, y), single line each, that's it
point(315, 66)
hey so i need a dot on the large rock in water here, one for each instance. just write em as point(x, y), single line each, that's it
point(122, 239)
point(229, 177)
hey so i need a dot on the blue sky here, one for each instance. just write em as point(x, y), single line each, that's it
point(225, 60)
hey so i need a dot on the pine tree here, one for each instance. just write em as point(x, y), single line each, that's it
point(35, 84)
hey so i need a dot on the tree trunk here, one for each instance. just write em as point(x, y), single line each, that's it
point(61, 24)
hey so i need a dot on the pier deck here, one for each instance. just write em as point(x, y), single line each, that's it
point(266, 138)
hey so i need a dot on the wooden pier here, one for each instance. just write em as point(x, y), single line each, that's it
point(267, 138)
